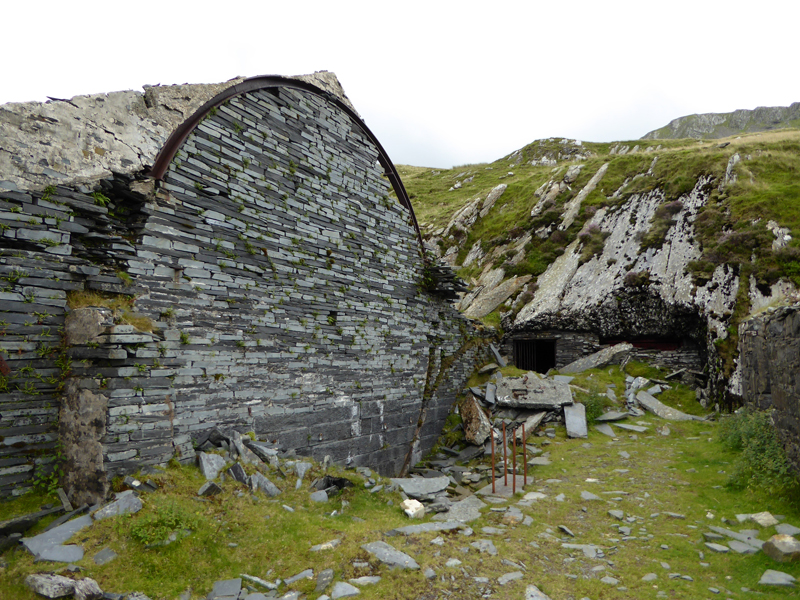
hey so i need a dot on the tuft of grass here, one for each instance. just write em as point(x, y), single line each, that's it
point(595, 406)
point(167, 517)
point(593, 240)
point(121, 306)
point(660, 224)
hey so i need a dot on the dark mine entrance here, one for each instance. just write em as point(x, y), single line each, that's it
point(535, 355)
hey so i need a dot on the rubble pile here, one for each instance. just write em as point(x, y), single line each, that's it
point(508, 410)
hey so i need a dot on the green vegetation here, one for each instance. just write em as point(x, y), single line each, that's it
point(125, 277)
point(662, 220)
point(166, 517)
point(121, 306)
point(100, 199)
point(593, 240)
point(762, 464)
point(47, 475)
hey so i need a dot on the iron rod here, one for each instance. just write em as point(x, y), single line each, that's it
point(505, 457)
point(492, 436)
point(514, 462)
point(524, 456)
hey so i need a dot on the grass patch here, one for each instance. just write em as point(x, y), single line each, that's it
point(512, 371)
point(493, 320)
point(232, 533)
point(121, 306)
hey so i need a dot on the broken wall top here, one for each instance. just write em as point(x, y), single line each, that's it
point(86, 138)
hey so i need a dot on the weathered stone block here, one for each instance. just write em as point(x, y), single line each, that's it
point(82, 426)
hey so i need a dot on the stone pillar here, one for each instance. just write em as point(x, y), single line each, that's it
point(82, 425)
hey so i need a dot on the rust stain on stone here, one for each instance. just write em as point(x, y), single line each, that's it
point(4, 368)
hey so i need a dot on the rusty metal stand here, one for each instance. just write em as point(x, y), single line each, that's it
point(492, 436)
point(505, 457)
point(524, 455)
point(514, 463)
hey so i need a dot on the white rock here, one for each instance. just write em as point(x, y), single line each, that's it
point(413, 508)
point(765, 519)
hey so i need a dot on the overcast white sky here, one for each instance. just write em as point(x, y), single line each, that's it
point(439, 83)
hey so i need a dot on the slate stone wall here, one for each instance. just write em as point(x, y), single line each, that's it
point(278, 280)
point(769, 351)
point(683, 358)
point(37, 269)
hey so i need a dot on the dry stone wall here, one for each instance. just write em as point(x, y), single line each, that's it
point(270, 284)
point(769, 351)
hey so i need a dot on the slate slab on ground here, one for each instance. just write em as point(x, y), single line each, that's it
point(660, 409)
point(49, 545)
point(575, 420)
point(422, 487)
point(390, 556)
point(533, 392)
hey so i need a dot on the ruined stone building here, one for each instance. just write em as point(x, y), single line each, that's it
point(240, 255)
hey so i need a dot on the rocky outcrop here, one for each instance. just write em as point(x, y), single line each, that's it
point(720, 125)
point(627, 267)
point(89, 137)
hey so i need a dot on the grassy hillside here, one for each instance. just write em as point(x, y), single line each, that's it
point(731, 228)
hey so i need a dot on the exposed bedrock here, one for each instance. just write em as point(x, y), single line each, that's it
point(629, 292)
point(626, 288)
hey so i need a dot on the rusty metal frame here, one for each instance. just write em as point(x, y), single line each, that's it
point(252, 84)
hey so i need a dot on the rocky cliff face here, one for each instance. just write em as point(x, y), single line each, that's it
point(667, 242)
point(720, 125)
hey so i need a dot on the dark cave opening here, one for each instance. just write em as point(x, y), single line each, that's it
point(535, 355)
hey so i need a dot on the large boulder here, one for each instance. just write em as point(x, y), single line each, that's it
point(782, 548)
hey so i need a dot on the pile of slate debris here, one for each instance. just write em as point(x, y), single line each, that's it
point(444, 484)
point(220, 458)
point(533, 405)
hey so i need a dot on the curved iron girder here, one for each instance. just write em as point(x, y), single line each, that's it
point(261, 82)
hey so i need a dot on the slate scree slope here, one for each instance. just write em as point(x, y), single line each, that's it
point(256, 273)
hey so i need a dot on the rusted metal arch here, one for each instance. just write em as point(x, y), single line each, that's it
point(252, 84)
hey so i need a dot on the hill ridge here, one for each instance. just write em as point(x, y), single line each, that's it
point(721, 125)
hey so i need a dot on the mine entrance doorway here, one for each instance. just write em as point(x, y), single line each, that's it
point(535, 355)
